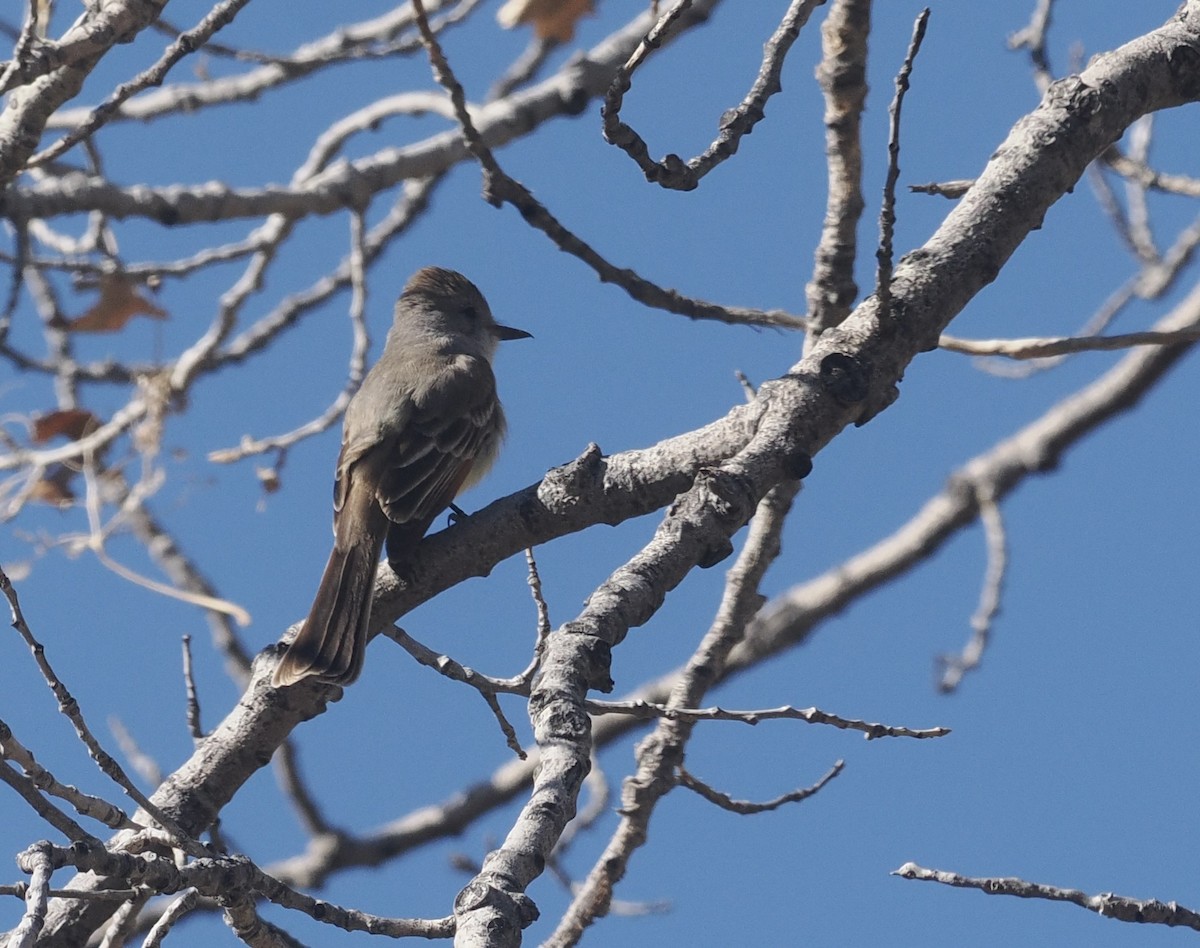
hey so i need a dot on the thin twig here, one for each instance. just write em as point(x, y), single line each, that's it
point(1122, 908)
point(372, 39)
point(499, 188)
point(43, 781)
point(179, 907)
point(455, 670)
point(26, 787)
point(887, 213)
point(525, 678)
point(20, 260)
point(28, 36)
point(746, 807)
point(487, 686)
point(70, 709)
point(287, 772)
point(193, 697)
point(95, 542)
point(673, 172)
point(947, 189)
point(1151, 282)
point(406, 210)
point(1112, 209)
point(361, 343)
point(219, 16)
point(650, 711)
point(144, 764)
point(1140, 135)
point(954, 667)
point(1040, 348)
point(1183, 185)
point(524, 68)
point(1033, 38)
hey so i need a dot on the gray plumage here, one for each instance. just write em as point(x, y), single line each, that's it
point(425, 424)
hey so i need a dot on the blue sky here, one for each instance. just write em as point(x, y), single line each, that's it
point(1072, 758)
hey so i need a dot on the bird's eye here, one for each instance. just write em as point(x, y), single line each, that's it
point(471, 313)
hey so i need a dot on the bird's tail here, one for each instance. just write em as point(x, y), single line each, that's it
point(333, 639)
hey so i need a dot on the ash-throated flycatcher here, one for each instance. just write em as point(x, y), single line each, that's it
point(425, 424)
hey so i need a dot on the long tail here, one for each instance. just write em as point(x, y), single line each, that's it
point(333, 639)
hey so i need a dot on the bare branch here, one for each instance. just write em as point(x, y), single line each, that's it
point(70, 709)
point(673, 172)
point(1033, 38)
point(218, 17)
point(649, 711)
point(498, 188)
point(887, 213)
point(356, 272)
point(181, 906)
point(377, 38)
point(1182, 185)
point(788, 620)
point(524, 68)
point(346, 184)
point(193, 697)
point(1064, 345)
point(40, 779)
point(955, 666)
point(1123, 909)
point(947, 189)
point(842, 75)
point(143, 764)
point(37, 862)
point(29, 34)
point(1036, 448)
point(58, 72)
point(218, 875)
point(661, 756)
point(746, 807)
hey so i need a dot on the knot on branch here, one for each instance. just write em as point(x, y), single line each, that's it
point(1184, 62)
point(724, 493)
point(1074, 95)
point(590, 658)
point(845, 378)
point(479, 894)
point(562, 486)
point(673, 173)
point(799, 464)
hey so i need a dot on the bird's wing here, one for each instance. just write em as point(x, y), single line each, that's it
point(455, 424)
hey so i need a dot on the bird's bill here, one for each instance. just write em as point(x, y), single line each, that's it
point(507, 332)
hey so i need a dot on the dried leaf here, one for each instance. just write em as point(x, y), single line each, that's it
point(551, 19)
point(119, 302)
point(269, 478)
point(71, 423)
point(55, 488)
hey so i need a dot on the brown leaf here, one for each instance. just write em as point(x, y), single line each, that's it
point(119, 302)
point(551, 19)
point(269, 478)
point(71, 423)
point(55, 488)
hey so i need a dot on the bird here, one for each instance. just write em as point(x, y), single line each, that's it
point(425, 424)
